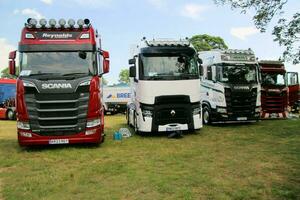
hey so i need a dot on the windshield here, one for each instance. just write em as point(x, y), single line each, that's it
point(273, 79)
point(7, 91)
point(168, 67)
point(58, 63)
point(240, 74)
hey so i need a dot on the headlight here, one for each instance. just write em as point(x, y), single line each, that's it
point(221, 110)
point(147, 113)
point(196, 111)
point(93, 123)
point(23, 125)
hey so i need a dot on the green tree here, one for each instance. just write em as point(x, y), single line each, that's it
point(124, 76)
point(5, 74)
point(206, 42)
point(286, 32)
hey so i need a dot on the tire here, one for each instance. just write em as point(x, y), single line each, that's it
point(206, 115)
point(127, 116)
point(10, 114)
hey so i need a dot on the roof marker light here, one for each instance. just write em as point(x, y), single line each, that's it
point(71, 23)
point(62, 23)
point(52, 23)
point(43, 22)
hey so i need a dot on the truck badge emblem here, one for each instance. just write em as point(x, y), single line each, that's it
point(172, 113)
point(56, 85)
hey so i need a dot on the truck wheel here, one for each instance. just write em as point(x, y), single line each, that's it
point(10, 115)
point(127, 117)
point(206, 115)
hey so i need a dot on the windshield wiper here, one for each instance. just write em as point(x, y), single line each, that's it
point(74, 74)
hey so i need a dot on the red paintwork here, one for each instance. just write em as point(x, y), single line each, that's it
point(3, 113)
point(274, 99)
point(73, 139)
point(95, 109)
point(90, 30)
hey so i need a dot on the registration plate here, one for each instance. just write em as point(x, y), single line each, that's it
point(274, 115)
point(59, 141)
point(242, 118)
point(175, 128)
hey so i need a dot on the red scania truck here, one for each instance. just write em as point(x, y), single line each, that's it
point(58, 97)
point(274, 90)
point(7, 98)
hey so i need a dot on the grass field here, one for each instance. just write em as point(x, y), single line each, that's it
point(252, 161)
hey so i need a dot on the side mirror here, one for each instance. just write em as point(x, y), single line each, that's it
point(200, 61)
point(132, 71)
point(105, 55)
point(131, 61)
point(12, 62)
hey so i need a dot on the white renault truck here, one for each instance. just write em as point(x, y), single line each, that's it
point(165, 87)
point(230, 86)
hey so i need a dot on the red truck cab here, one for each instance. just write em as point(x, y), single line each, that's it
point(7, 98)
point(274, 92)
point(58, 98)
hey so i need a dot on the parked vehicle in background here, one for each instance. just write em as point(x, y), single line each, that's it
point(58, 89)
point(7, 98)
point(115, 98)
point(230, 87)
point(294, 91)
point(274, 90)
point(165, 87)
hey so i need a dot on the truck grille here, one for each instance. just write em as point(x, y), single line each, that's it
point(57, 114)
point(241, 103)
point(273, 102)
point(179, 104)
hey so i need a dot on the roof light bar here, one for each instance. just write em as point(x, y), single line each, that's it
point(71, 23)
point(80, 23)
point(167, 42)
point(31, 23)
point(62, 23)
point(52, 23)
point(43, 22)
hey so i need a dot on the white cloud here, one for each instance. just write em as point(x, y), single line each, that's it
point(5, 48)
point(243, 32)
point(29, 12)
point(157, 3)
point(49, 2)
point(92, 3)
point(193, 11)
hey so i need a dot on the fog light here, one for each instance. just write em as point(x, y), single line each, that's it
point(221, 110)
point(147, 113)
point(90, 132)
point(52, 23)
point(25, 134)
point(93, 123)
point(62, 23)
point(196, 111)
point(43, 22)
point(23, 125)
point(71, 23)
point(80, 22)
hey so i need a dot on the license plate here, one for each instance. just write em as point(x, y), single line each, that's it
point(242, 118)
point(173, 128)
point(59, 141)
point(274, 115)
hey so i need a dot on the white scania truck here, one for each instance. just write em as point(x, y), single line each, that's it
point(230, 86)
point(165, 87)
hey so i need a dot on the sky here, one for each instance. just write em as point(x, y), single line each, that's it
point(123, 23)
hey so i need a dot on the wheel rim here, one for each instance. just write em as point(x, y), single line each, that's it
point(10, 114)
point(206, 116)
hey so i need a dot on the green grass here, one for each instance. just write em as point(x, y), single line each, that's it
point(252, 161)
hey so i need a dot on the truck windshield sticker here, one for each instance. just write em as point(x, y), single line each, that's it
point(57, 35)
point(25, 73)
